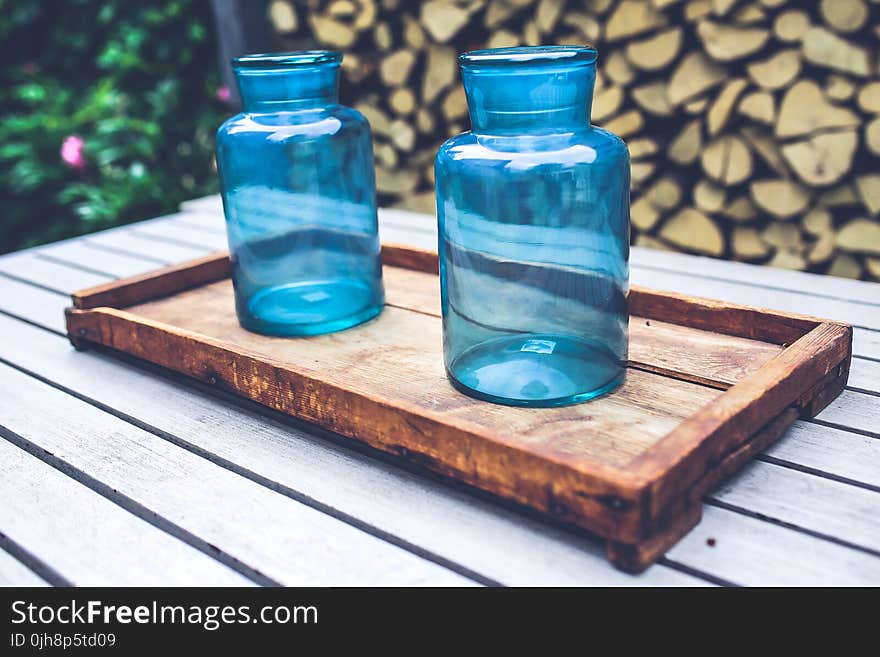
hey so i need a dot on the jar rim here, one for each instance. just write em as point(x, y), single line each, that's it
point(518, 56)
point(288, 59)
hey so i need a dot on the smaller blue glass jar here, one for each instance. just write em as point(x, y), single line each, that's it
point(533, 210)
point(299, 195)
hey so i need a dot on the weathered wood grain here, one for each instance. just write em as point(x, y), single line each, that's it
point(701, 356)
point(634, 557)
point(215, 266)
point(272, 535)
point(413, 289)
point(791, 291)
point(36, 305)
point(409, 345)
point(408, 226)
point(238, 445)
point(417, 291)
point(705, 313)
point(657, 347)
point(415, 260)
point(88, 539)
point(743, 320)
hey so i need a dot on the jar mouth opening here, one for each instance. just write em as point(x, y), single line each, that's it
point(296, 58)
point(529, 56)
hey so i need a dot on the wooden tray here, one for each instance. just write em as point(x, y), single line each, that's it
point(709, 384)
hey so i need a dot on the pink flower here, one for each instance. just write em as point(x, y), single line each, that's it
point(72, 152)
point(223, 94)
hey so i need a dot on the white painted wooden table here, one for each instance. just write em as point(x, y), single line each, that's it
point(114, 473)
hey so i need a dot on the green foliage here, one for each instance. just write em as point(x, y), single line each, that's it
point(137, 82)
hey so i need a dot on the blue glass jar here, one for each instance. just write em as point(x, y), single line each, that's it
point(533, 209)
point(299, 194)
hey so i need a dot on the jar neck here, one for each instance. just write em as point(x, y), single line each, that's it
point(540, 102)
point(288, 89)
point(529, 90)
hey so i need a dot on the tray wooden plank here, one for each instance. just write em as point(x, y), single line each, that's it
point(709, 384)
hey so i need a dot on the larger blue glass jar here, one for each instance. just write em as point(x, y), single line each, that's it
point(533, 209)
point(296, 173)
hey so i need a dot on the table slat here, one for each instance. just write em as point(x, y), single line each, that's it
point(854, 410)
point(178, 233)
point(864, 375)
point(817, 504)
point(751, 552)
point(48, 274)
point(33, 304)
point(212, 508)
point(834, 452)
point(88, 539)
point(129, 242)
point(79, 254)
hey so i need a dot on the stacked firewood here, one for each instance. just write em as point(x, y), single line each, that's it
point(753, 125)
